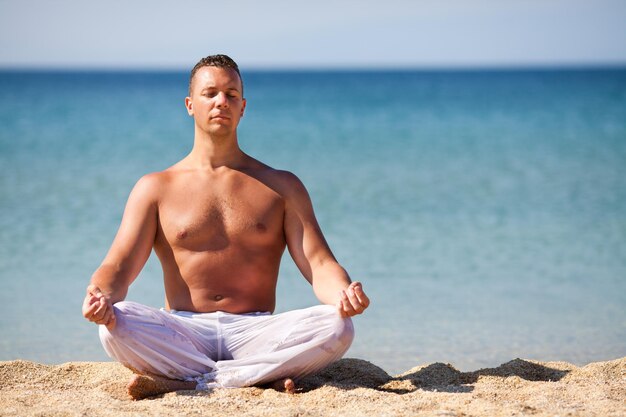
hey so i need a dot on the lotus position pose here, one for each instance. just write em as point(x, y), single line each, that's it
point(219, 221)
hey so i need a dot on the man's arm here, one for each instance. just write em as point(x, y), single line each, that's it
point(127, 256)
point(309, 250)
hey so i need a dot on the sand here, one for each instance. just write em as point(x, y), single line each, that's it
point(350, 387)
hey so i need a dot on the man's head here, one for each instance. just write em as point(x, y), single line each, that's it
point(215, 98)
point(219, 61)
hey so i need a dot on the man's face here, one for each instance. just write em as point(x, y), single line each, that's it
point(216, 101)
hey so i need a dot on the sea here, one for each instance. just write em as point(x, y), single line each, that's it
point(483, 210)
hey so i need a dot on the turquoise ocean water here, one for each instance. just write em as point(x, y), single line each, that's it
point(485, 211)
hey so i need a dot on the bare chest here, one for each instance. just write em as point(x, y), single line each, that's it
point(203, 219)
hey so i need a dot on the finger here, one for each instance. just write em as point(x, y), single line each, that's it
point(339, 307)
point(89, 307)
point(105, 321)
point(346, 305)
point(364, 299)
point(345, 309)
point(95, 295)
point(358, 290)
point(100, 312)
point(354, 301)
point(356, 287)
point(89, 301)
point(105, 317)
point(112, 323)
point(93, 304)
point(112, 320)
point(109, 317)
point(93, 289)
point(96, 292)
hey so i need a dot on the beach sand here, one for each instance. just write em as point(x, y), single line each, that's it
point(350, 387)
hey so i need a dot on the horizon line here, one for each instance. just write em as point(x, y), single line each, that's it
point(615, 65)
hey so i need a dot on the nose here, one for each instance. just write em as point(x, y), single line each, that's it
point(221, 100)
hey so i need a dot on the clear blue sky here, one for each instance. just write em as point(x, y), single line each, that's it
point(322, 33)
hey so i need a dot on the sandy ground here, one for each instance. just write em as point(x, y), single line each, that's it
point(350, 387)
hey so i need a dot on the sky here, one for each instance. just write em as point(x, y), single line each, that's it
point(154, 34)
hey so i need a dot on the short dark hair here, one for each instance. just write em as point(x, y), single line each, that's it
point(219, 61)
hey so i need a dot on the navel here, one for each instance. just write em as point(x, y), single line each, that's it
point(218, 297)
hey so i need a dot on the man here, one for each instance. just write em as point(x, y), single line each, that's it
point(219, 221)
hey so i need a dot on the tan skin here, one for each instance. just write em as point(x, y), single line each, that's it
point(219, 221)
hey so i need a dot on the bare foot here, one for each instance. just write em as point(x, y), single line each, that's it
point(284, 385)
point(142, 386)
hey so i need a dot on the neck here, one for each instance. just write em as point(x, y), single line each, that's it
point(211, 151)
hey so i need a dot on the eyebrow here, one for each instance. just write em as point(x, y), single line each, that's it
point(215, 88)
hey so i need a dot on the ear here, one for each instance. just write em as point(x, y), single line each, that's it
point(243, 107)
point(189, 105)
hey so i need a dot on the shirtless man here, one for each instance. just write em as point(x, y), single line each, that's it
point(219, 221)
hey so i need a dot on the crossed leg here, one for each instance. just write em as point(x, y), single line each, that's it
point(144, 386)
point(274, 350)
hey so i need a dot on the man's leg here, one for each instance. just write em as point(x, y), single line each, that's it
point(159, 345)
point(143, 386)
point(270, 348)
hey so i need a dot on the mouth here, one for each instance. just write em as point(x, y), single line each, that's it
point(220, 117)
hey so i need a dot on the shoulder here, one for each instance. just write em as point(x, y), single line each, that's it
point(283, 182)
point(153, 181)
point(150, 186)
point(289, 186)
point(159, 179)
point(290, 181)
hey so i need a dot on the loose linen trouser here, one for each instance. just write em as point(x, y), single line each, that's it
point(223, 349)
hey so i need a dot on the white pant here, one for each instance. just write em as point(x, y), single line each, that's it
point(223, 349)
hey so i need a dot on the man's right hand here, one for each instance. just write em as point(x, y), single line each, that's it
point(97, 308)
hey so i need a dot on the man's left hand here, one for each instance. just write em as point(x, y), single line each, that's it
point(352, 300)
